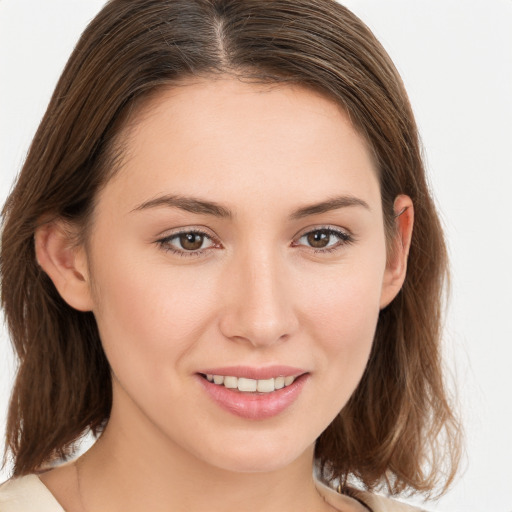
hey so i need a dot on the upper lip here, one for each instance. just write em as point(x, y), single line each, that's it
point(249, 372)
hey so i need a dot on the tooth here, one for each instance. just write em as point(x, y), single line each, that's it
point(265, 385)
point(231, 382)
point(288, 380)
point(251, 385)
point(246, 384)
point(279, 382)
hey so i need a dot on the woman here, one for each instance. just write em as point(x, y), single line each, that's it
point(219, 274)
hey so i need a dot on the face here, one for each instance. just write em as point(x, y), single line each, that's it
point(241, 241)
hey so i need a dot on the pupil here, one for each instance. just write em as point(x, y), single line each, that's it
point(318, 239)
point(191, 241)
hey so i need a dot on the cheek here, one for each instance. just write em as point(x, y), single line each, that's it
point(345, 304)
point(149, 314)
point(344, 322)
point(342, 316)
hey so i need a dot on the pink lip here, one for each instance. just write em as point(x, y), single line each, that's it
point(254, 406)
point(249, 372)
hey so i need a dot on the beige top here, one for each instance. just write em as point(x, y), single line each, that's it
point(29, 494)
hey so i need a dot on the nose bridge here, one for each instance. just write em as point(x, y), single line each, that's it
point(259, 307)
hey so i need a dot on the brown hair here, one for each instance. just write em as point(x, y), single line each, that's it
point(389, 433)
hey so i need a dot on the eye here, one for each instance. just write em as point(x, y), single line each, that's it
point(187, 243)
point(324, 239)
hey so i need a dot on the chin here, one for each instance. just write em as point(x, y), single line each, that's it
point(254, 457)
point(256, 464)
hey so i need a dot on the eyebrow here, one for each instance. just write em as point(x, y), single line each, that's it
point(334, 203)
point(202, 207)
point(189, 204)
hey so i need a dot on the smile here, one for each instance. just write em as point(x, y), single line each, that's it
point(254, 393)
point(246, 385)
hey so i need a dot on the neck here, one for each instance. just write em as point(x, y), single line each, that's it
point(139, 468)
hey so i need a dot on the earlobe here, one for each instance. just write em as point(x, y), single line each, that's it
point(65, 263)
point(396, 267)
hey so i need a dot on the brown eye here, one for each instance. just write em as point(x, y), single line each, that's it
point(325, 239)
point(319, 239)
point(187, 243)
point(191, 241)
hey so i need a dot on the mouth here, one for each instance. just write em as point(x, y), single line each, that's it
point(246, 385)
point(251, 393)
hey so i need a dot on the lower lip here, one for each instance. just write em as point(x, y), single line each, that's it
point(254, 406)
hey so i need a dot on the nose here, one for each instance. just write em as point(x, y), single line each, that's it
point(258, 300)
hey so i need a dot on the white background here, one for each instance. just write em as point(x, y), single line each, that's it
point(455, 57)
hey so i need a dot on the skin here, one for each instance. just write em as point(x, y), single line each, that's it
point(257, 293)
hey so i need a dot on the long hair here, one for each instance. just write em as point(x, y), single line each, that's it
point(398, 429)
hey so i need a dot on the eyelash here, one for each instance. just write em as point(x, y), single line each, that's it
point(164, 243)
point(344, 238)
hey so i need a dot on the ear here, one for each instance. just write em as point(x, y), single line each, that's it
point(65, 263)
point(396, 266)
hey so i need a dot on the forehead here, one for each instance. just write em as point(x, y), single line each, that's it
point(229, 139)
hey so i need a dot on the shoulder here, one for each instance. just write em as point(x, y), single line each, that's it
point(382, 504)
point(27, 494)
point(366, 500)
